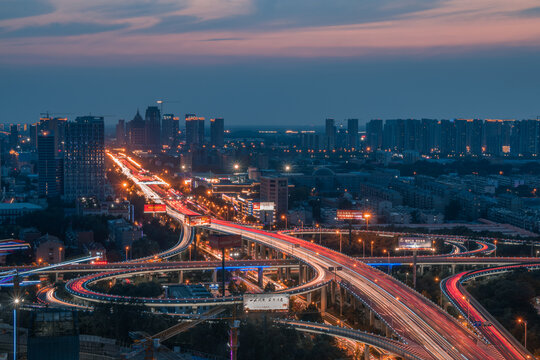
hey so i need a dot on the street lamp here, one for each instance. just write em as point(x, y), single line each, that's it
point(367, 216)
point(284, 217)
point(468, 307)
point(339, 232)
point(60, 254)
point(287, 168)
point(372, 248)
point(16, 303)
point(495, 243)
point(388, 254)
point(127, 249)
point(236, 166)
point(189, 252)
point(524, 322)
point(363, 248)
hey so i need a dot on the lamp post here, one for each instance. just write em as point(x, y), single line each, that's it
point(372, 248)
point(284, 217)
point(387, 252)
point(127, 249)
point(495, 243)
point(189, 252)
point(468, 308)
point(60, 254)
point(16, 303)
point(524, 322)
point(339, 232)
point(367, 216)
point(363, 248)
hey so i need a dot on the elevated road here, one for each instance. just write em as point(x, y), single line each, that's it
point(478, 316)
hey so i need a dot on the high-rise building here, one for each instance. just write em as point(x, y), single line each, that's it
point(352, 132)
point(169, 130)
point(152, 120)
point(49, 166)
point(84, 158)
point(276, 190)
point(14, 136)
point(194, 130)
point(309, 141)
point(217, 130)
point(57, 127)
point(136, 131)
point(374, 135)
point(330, 134)
point(121, 132)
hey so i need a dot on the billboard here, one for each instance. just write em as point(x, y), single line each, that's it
point(349, 215)
point(266, 206)
point(225, 241)
point(414, 243)
point(266, 302)
point(155, 208)
point(198, 220)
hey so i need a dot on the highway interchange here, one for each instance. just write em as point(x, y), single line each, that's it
point(424, 330)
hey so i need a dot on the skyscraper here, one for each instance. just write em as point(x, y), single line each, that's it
point(152, 120)
point(330, 134)
point(374, 134)
point(121, 132)
point(352, 132)
point(49, 166)
point(194, 130)
point(13, 136)
point(57, 126)
point(169, 130)
point(137, 132)
point(217, 129)
point(84, 158)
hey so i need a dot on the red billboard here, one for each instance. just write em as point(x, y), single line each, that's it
point(349, 215)
point(225, 241)
point(155, 208)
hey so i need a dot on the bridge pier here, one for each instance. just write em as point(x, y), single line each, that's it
point(332, 293)
point(300, 273)
point(323, 300)
point(308, 298)
point(388, 332)
point(260, 277)
point(287, 274)
point(214, 276)
point(262, 252)
point(453, 266)
point(371, 318)
point(180, 276)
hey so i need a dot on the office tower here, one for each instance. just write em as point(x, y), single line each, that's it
point(330, 134)
point(152, 120)
point(136, 131)
point(194, 130)
point(167, 129)
point(49, 166)
point(276, 190)
point(84, 158)
point(352, 132)
point(341, 138)
point(121, 132)
point(394, 135)
point(374, 135)
point(57, 127)
point(411, 135)
point(217, 129)
point(13, 136)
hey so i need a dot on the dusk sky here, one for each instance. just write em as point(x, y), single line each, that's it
point(271, 62)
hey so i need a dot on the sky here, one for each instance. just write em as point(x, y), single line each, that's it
point(270, 62)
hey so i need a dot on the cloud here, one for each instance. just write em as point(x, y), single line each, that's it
point(13, 9)
point(53, 30)
point(182, 30)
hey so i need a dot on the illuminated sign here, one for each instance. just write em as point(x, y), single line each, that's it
point(264, 206)
point(198, 220)
point(349, 215)
point(225, 241)
point(414, 243)
point(155, 208)
point(266, 302)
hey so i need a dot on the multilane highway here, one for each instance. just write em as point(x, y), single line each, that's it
point(415, 320)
